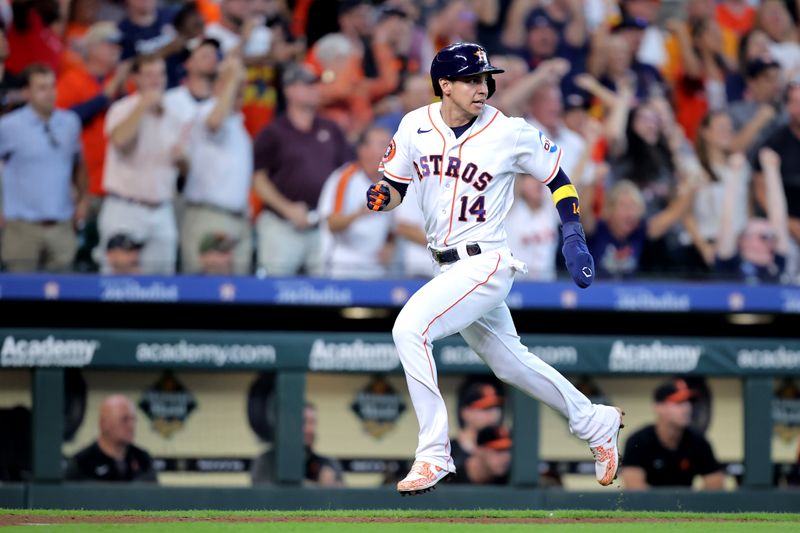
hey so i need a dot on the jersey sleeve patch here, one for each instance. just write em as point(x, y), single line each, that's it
point(388, 155)
point(548, 145)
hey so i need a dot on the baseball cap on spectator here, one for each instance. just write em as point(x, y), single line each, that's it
point(123, 241)
point(575, 101)
point(194, 44)
point(217, 242)
point(297, 73)
point(494, 438)
point(538, 18)
point(385, 12)
point(481, 396)
point(676, 391)
point(758, 66)
point(103, 32)
point(630, 23)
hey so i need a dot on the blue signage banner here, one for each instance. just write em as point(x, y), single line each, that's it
point(621, 296)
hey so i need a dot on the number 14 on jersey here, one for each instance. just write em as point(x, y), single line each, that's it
point(476, 209)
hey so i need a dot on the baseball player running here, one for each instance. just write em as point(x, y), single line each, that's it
point(461, 156)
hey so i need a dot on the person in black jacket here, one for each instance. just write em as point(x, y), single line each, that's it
point(320, 471)
point(113, 456)
point(490, 462)
point(669, 452)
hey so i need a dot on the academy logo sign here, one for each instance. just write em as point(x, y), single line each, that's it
point(47, 352)
point(653, 357)
point(183, 352)
point(459, 356)
point(779, 358)
point(357, 356)
point(560, 356)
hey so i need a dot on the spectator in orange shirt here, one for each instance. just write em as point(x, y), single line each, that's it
point(701, 84)
point(736, 15)
point(344, 97)
point(210, 10)
point(90, 89)
point(697, 10)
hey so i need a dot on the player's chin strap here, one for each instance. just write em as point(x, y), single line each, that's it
point(576, 254)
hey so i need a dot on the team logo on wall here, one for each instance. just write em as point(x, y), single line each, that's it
point(378, 406)
point(167, 404)
point(786, 410)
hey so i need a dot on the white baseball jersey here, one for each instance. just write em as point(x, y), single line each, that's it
point(465, 184)
point(354, 252)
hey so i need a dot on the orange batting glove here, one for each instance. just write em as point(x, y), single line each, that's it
point(378, 197)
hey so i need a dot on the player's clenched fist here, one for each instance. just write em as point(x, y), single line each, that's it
point(377, 197)
point(579, 261)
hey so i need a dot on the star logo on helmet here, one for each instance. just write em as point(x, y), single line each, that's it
point(481, 54)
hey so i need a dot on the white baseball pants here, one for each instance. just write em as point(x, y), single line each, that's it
point(467, 297)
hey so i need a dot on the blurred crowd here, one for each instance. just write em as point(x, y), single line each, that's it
point(238, 136)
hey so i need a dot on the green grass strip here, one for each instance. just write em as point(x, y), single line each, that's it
point(415, 527)
point(424, 515)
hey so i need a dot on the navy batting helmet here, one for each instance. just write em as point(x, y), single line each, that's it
point(461, 59)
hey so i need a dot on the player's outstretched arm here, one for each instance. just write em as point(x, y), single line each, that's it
point(576, 254)
point(383, 196)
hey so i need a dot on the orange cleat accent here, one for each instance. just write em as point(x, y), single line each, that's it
point(606, 457)
point(422, 478)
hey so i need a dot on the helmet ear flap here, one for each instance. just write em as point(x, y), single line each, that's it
point(437, 88)
point(490, 84)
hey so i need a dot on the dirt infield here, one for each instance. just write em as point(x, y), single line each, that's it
point(25, 519)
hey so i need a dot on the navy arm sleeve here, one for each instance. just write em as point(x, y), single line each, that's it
point(88, 109)
point(401, 187)
point(565, 197)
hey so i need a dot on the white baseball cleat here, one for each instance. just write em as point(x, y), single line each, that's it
point(606, 455)
point(422, 478)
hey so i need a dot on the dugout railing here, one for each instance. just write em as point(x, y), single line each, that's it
point(291, 355)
